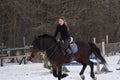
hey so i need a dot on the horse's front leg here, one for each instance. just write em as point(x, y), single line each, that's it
point(60, 75)
point(59, 72)
point(55, 72)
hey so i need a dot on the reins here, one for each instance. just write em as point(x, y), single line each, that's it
point(51, 48)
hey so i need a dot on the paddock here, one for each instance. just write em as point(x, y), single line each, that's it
point(22, 57)
point(19, 59)
point(36, 71)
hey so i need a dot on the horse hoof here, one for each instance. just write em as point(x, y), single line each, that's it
point(65, 69)
point(82, 76)
point(95, 78)
point(64, 75)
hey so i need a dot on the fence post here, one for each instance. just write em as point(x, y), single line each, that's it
point(2, 53)
point(94, 40)
point(24, 44)
point(1, 59)
point(103, 47)
point(104, 68)
point(24, 51)
point(107, 41)
point(1, 62)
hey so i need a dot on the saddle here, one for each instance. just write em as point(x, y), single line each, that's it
point(73, 46)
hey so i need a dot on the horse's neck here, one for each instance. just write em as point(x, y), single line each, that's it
point(51, 48)
point(49, 44)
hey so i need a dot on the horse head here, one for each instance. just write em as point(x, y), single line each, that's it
point(42, 43)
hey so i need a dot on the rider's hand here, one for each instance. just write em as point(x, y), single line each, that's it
point(58, 40)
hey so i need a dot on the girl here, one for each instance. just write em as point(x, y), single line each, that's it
point(65, 36)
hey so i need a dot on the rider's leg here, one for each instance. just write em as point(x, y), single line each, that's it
point(66, 45)
point(68, 48)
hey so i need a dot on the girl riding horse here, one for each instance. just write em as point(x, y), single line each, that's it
point(57, 58)
point(65, 35)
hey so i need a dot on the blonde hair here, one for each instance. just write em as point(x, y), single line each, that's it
point(65, 22)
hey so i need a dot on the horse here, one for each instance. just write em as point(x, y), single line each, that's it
point(57, 58)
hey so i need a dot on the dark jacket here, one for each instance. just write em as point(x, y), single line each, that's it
point(63, 32)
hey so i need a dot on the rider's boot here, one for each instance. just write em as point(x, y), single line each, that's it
point(69, 53)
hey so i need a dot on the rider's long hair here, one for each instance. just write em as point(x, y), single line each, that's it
point(63, 18)
point(65, 22)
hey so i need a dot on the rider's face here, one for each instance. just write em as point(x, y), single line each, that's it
point(61, 22)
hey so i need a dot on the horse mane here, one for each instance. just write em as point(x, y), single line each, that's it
point(48, 36)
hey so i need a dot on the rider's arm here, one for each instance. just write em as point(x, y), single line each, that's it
point(56, 32)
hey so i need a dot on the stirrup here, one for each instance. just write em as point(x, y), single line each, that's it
point(68, 51)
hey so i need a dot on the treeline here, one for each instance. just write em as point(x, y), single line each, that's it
point(86, 19)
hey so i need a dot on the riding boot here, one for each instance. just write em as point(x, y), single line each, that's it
point(69, 53)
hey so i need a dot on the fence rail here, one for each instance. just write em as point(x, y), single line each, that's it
point(21, 48)
point(110, 47)
point(24, 56)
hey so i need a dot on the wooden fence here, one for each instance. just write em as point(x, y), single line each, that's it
point(110, 48)
point(23, 57)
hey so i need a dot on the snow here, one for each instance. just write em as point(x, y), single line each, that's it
point(35, 71)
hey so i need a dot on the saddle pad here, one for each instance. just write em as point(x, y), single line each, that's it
point(74, 47)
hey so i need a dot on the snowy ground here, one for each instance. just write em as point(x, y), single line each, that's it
point(35, 71)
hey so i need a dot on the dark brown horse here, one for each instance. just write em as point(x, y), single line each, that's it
point(57, 58)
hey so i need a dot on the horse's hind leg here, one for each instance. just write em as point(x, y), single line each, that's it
point(92, 71)
point(82, 71)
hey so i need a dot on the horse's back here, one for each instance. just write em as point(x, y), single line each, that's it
point(83, 49)
point(81, 44)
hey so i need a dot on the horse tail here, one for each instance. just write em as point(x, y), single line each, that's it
point(97, 52)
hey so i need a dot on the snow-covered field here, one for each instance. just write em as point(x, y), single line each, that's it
point(35, 71)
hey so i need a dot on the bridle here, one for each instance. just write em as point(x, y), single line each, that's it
point(42, 52)
point(45, 51)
